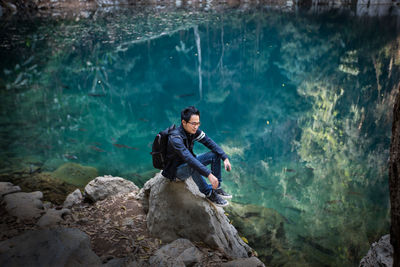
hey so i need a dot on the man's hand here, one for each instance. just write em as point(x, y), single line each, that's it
point(227, 165)
point(213, 180)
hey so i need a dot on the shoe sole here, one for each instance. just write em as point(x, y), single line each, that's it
point(225, 197)
point(218, 205)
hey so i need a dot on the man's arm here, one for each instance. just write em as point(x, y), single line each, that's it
point(177, 144)
point(210, 144)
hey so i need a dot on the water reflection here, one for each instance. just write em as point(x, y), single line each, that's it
point(302, 104)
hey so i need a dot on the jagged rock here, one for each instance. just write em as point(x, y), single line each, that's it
point(25, 206)
point(178, 209)
point(73, 198)
point(181, 252)
point(75, 174)
point(102, 187)
point(58, 247)
point(380, 254)
point(52, 217)
point(8, 188)
point(249, 262)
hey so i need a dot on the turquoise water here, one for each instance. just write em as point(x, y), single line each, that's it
point(302, 103)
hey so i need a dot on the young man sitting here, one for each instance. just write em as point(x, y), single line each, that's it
point(182, 163)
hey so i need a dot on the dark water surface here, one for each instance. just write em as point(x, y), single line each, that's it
point(302, 103)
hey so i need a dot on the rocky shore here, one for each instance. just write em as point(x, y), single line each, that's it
point(113, 223)
point(84, 8)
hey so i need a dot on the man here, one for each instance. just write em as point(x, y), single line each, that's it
point(182, 163)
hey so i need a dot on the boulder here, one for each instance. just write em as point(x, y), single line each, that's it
point(249, 262)
point(52, 217)
point(73, 199)
point(102, 187)
point(8, 188)
point(180, 252)
point(58, 247)
point(179, 210)
point(25, 206)
point(380, 254)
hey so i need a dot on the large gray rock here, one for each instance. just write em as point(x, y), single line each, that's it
point(8, 188)
point(179, 210)
point(102, 187)
point(42, 248)
point(25, 206)
point(380, 254)
point(181, 252)
point(73, 199)
point(52, 217)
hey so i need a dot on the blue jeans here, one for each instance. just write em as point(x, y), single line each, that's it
point(184, 171)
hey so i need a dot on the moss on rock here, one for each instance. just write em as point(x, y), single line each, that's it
point(75, 174)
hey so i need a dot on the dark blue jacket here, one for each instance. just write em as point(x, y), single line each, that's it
point(180, 150)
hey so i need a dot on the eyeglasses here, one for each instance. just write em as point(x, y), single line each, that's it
point(194, 123)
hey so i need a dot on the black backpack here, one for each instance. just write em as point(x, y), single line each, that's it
point(159, 148)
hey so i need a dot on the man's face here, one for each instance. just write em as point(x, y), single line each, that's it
point(192, 125)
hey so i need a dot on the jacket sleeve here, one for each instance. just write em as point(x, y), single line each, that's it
point(209, 143)
point(177, 143)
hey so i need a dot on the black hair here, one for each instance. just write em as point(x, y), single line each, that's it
point(187, 113)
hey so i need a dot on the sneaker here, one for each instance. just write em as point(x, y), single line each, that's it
point(217, 200)
point(222, 193)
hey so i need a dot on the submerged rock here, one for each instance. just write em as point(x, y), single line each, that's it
point(102, 187)
point(25, 206)
point(179, 210)
point(59, 247)
point(181, 252)
point(75, 174)
point(8, 188)
point(265, 228)
point(73, 199)
point(380, 254)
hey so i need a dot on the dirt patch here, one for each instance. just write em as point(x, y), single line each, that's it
point(116, 226)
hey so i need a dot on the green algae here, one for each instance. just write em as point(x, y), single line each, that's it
point(75, 174)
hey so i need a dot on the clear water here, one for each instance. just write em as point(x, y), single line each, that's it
point(301, 102)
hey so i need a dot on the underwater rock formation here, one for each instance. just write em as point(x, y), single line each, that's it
point(264, 227)
point(75, 174)
point(394, 183)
